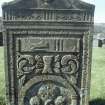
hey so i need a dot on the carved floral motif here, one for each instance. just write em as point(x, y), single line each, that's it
point(73, 17)
point(28, 64)
point(48, 64)
point(40, 65)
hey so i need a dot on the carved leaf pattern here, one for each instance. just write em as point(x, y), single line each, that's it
point(64, 65)
point(47, 64)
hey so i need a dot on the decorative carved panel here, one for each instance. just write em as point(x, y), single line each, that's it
point(34, 44)
point(47, 51)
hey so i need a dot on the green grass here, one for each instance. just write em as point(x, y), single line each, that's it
point(97, 77)
point(98, 74)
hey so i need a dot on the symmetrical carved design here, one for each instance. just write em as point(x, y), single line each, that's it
point(50, 11)
point(50, 16)
point(47, 64)
point(53, 65)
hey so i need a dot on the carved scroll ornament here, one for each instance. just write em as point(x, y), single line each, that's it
point(48, 64)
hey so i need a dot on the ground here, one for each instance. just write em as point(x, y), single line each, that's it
point(97, 77)
point(98, 74)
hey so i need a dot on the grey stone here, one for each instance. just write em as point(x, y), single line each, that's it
point(48, 45)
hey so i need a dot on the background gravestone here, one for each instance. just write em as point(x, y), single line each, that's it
point(48, 51)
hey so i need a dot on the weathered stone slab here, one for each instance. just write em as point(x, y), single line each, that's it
point(48, 51)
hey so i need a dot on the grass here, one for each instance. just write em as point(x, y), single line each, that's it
point(98, 74)
point(97, 77)
point(2, 77)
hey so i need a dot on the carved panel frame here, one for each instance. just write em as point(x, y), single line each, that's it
point(12, 85)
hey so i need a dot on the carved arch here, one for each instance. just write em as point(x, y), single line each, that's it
point(38, 79)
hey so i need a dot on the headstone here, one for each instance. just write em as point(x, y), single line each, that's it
point(100, 43)
point(1, 34)
point(48, 51)
point(1, 39)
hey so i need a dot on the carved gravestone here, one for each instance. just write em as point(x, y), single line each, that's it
point(47, 51)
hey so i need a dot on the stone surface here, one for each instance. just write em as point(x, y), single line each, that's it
point(48, 51)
